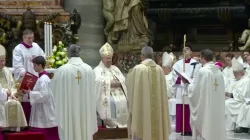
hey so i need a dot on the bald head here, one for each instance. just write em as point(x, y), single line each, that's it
point(147, 52)
point(74, 50)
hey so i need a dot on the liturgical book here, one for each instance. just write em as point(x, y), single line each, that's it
point(184, 76)
point(28, 82)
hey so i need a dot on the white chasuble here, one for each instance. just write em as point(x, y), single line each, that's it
point(73, 87)
point(206, 102)
point(243, 118)
point(111, 102)
point(22, 59)
point(6, 83)
point(43, 105)
point(191, 70)
point(240, 90)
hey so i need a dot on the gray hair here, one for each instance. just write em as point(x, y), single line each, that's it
point(147, 52)
point(74, 50)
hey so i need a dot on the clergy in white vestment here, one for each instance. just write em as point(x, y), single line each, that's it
point(73, 86)
point(111, 91)
point(167, 63)
point(7, 85)
point(246, 64)
point(243, 119)
point(42, 117)
point(9, 120)
point(147, 100)
point(206, 100)
point(236, 93)
point(228, 71)
point(191, 68)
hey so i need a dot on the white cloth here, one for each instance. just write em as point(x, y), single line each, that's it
point(240, 90)
point(73, 86)
point(190, 71)
point(245, 65)
point(43, 105)
point(206, 101)
point(248, 71)
point(111, 102)
point(22, 59)
point(171, 94)
point(243, 118)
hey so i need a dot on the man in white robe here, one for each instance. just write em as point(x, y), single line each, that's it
point(206, 100)
point(236, 94)
point(248, 68)
point(111, 91)
point(243, 119)
point(245, 64)
point(147, 100)
point(167, 62)
point(228, 71)
point(73, 86)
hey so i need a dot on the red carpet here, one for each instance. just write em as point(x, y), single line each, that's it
point(24, 136)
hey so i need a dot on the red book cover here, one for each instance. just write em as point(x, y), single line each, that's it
point(28, 82)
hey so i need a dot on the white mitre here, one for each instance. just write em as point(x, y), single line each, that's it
point(166, 60)
point(2, 52)
point(239, 59)
point(171, 55)
point(15, 118)
point(237, 65)
point(106, 50)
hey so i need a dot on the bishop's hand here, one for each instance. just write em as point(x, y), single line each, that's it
point(8, 93)
point(184, 81)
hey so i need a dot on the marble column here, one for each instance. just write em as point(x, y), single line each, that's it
point(91, 35)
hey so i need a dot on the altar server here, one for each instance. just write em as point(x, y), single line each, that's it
point(206, 101)
point(236, 92)
point(42, 117)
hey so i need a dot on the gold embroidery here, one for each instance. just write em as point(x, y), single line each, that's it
point(154, 122)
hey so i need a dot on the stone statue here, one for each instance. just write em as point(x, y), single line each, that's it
point(108, 12)
point(245, 38)
point(126, 24)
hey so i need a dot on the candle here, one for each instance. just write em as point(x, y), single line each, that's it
point(45, 39)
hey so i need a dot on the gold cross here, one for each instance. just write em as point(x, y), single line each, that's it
point(78, 77)
point(28, 82)
point(215, 84)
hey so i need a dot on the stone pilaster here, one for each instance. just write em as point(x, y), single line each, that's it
point(91, 35)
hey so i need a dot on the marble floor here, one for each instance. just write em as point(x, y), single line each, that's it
point(231, 136)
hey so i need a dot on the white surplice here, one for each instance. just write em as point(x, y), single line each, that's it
point(111, 102)
point(228, 75)
point(6, 82)
point(43, 105)
point(206, 101)
point(22, 59)
point(73, 86)
point(240, 90)
point(190, 71)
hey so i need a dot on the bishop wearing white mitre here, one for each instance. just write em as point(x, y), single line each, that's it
point(236, 92)
point(167, 63)
point(111, 91)
point(7, 91)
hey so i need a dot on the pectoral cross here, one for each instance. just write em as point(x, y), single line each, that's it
point(215, 84)
point(78, 77)
point(28, 82)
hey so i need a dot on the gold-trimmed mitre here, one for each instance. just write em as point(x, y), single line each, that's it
point(106, 50)
point(2, 52)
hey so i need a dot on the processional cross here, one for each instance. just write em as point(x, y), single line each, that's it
point(215, 84)
point(78, 77)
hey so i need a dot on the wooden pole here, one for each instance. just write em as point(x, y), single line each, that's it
point(183, 102)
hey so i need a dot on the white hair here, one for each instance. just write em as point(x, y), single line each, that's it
point(74, 50)
point(147, 52)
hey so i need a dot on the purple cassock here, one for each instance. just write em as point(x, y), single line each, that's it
point(1, 135)
point(179, 118)
point(26, 109)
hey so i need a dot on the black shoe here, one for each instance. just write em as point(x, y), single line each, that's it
point(241, 130)
point(186, 134)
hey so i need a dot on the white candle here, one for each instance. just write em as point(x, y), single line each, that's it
point(45, 39)
point(50, 38)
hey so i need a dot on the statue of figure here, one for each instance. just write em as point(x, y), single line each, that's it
point(108, 12)
point(245, 38)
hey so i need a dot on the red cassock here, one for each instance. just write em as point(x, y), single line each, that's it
point(179, 118)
